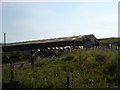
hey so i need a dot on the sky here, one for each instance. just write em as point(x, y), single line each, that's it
point(25, 21)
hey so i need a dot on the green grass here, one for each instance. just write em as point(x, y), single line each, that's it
point(110, 40)
point(91, 68)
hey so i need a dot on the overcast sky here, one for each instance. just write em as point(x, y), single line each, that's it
point(24, 21)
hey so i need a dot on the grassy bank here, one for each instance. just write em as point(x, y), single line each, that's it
point(114, 41)
point(91, 68)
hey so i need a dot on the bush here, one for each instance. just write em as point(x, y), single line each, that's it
point(39, 64)
point(99, 56)
point(68, 58)
point(110, 68)
point(5, 59)
point(113, 79)
point(52, 59)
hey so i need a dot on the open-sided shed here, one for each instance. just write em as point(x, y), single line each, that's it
point(81, 40)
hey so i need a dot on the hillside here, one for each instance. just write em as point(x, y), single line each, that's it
point(114, 41)
point(86, 68)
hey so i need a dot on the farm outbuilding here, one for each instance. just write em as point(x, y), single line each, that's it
point(81, 40)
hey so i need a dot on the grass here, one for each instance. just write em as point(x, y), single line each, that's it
point(91, 68)
point(114, 41)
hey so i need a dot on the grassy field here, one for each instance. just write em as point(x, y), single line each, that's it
point(86, 68)
point(114, 41)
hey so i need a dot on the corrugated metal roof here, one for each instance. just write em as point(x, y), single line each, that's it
point(47, 40)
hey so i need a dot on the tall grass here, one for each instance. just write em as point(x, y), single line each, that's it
point(91, 68)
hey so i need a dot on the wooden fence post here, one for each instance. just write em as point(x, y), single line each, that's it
point(11, 71)
point(68, 81)
point(21, 66)
point(32, 57)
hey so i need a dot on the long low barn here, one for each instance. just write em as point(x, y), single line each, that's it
point(81, 40)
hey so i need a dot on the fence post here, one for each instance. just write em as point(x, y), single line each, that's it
point(11, 71)
point(21, 66)
point(32, 57)
point(68, 81)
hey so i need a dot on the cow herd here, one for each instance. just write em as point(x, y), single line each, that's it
point(57, 51)
point(53, 51)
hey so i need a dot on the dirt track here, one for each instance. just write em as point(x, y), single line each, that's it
point(16, 64)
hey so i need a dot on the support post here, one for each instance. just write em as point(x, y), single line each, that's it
point(4, 39)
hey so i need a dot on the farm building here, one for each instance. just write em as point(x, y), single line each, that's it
point(81, 40)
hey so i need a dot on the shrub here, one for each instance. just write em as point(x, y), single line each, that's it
point(68, 58)
point(113, 79)
point(5, 59)
point(39, 64)
point(110, 68)
point(90, 60)
point(52, 59)
point(100, 57)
